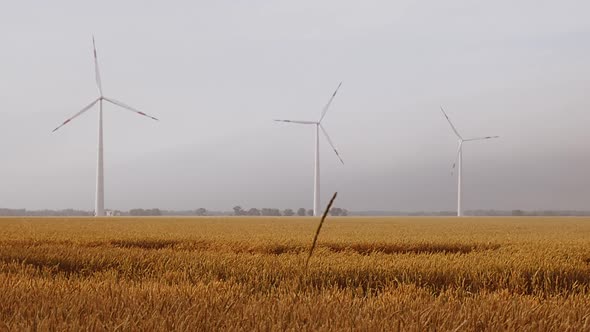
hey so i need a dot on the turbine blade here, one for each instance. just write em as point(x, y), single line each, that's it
point(331, 144)
point(449, 120)
point(97, 72)
point(129, 108)
point(481, 138)
point(456, 158)
point(325, 110)
point(297, 122)
point(77, 114)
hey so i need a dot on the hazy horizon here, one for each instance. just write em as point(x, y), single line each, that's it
point(216, 75)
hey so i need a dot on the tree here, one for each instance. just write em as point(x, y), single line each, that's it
point(201, 212)
point(301, 212)
point(270, 212)
point(335, 211)
point(142, 212)
point(154, 212)
point(253, 212)
point(137, 212)
point(238, 211)
point(517, 213)
point(310, 212)
point(288, 213)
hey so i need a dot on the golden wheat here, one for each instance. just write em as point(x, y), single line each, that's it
point(216, 273)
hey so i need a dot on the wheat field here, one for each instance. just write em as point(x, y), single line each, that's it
point(240, 273)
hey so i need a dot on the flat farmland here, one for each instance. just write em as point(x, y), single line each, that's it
point(240, 273)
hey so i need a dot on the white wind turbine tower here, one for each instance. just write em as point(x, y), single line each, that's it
point(318, 126)
point(99, 205)
point(459, 161)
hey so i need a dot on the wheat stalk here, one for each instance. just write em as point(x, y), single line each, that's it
point(317, 232)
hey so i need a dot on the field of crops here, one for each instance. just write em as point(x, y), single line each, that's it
point(215, 273)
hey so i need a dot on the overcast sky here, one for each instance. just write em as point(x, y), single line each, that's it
point(217, 72)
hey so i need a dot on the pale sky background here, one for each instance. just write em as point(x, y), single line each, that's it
point(217, 72)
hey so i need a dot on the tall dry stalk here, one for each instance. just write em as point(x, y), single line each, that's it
point(317, 232)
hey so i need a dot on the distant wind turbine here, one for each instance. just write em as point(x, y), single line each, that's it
point(99, 205)
point(318, 126)
point(459, 161)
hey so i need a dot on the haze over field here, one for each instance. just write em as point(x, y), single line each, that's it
point(217, 74)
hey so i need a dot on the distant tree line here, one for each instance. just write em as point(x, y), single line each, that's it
point(157, 212)
point(239, 211)
point(549, 213)
point(79, 213)
point(476, 213)
point(145, 212)
point(42, 213)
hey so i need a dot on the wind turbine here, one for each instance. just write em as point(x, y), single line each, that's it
point(99, 204)
point(318, 126)
point(459, 161)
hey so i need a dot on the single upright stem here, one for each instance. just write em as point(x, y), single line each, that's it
point(317, 232)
